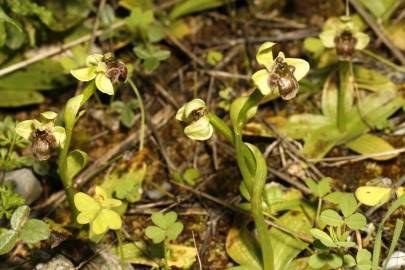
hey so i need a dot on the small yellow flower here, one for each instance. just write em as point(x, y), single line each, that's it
point(97, 211)
point(281, 75)
point(96, 69)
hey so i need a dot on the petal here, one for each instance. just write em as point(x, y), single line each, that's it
point(264, 55)
point(114, 221)
point(180, 113)
point(101, 194)
point(25, 128)
point(86, 217)
point(101, 67)
point(328, 38)
point(199, 130)
point(362, 40)
point(84, 74)
point(60, 135)
point(49, 115)
point(261, 80)
point(301, 67)
point(84, 202)
point(99, 224)
point(194, 105)
point(106, 219)
point(111, 203)
point(94, 59)
point(104, 84)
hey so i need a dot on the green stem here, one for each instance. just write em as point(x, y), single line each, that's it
point(119, 237)
point(257, 210)
point(63, 172)
point(318, 210)
point(62, 160)
point(344, 84)
point(142, 109)
point(166, 255)
point(384, 60)
point(220, 126)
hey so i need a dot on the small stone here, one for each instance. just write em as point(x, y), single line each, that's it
point(155, 194)
point(58, 262)
point(397, 261)
point(106, 260)
point(26, 184)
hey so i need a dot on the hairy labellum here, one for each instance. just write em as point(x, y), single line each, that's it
point(282, 77)
point(197, 114)
point(116, 70)
point(43, 144)
point(345, 45)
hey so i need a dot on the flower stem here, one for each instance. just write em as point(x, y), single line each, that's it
point(344, 88)
point(62, 160)
point(166, 255)
point(119, 238)
point(142, 109)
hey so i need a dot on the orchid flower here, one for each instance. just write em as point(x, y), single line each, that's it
point(96, 69)
point(280, 75)
point(194, 114)
point(44, 135)
point(344, 36)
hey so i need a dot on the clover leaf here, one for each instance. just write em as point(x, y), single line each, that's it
point(166, 227)
point(30, 231)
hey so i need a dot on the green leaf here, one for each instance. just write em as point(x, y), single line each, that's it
point(324, 186)
point(117, 106)
point(44, 75)
point(331, 218)
point(349, 261)
point(19, 217)
point(369, 144)
point(67, 14)
point(16, 98)
point(174, 230)
point(335, 261)
point(312, 185)
point(363, 259)
point(356, 221)
point(317, 260)
point(191, 175)
point(378, 239)
point(345, 244)
point(34, 231)
point(76, 161)
point(397, 233)
point(164, 220)
point(242, 247)
point(71, 110)
point(348, 204)
point(156, 234)
point(323, 237)
point(287, 247)
point(5, 18)
point(329, 100)
point(7, 241)
point(214, 57)
point(127, 117)
point(187, 7)
point(9, 200)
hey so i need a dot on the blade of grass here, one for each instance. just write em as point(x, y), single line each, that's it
point(378, 239)
point(397, 233)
